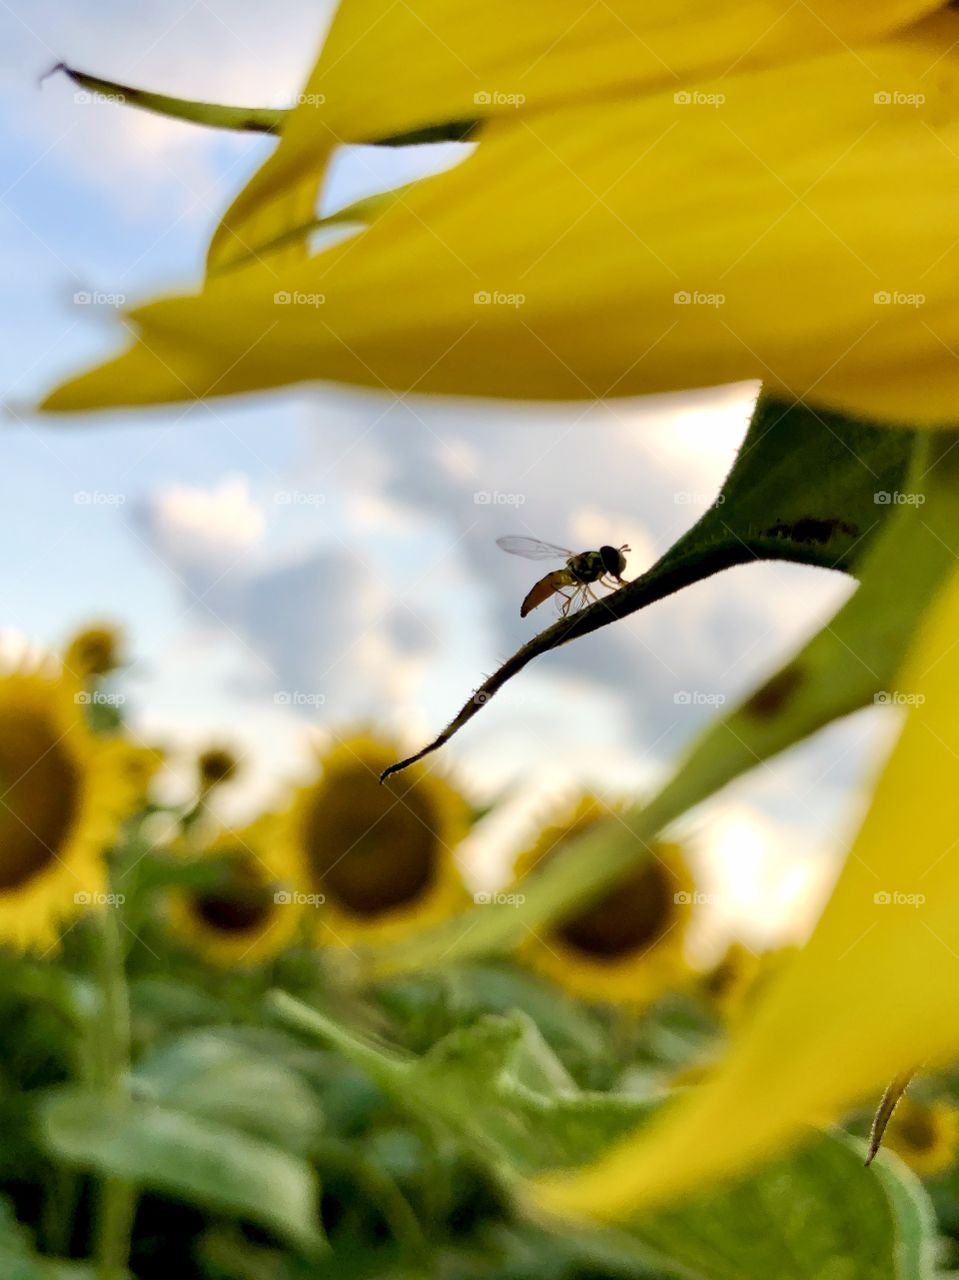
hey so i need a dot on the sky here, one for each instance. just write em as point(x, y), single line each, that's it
point(289, 566)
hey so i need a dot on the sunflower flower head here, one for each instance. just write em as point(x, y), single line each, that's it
point(246, 912)
point(382, 856)
point(94, 651)
point(628, 946)
point(217, 765)
point(727, 988)
point(925, 1135)
point(64, 795)
point(140, 765)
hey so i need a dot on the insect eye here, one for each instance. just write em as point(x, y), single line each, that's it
point(611, 558)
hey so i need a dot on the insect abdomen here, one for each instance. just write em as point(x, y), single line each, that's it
point(545, 588)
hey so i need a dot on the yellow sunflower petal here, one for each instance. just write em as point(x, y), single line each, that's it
point(385, 69)
point(875, 989)
point(626, 247)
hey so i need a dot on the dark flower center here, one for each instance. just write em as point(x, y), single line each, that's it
point(241, 904)
point(39, 795)
point(370, 847)
point(918, 1131)
point(630, 917)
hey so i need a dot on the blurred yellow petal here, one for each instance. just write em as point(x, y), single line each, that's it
point(385, 69)
point(802, 231)
point(876, 989)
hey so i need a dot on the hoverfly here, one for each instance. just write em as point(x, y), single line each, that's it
point(582, 569)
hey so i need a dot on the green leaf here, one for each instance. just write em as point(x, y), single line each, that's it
point(809, 487)
point(244, 119)
point(849, 664)
point(208, 1076)
point(269, 120)
point(814, 1213)
point(19, 1259)
point(199, 1161)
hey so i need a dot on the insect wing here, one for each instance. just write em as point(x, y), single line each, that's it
point(533, 549)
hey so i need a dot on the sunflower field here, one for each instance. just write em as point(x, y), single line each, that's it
point(320, 1042)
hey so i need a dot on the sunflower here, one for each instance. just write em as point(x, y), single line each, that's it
point(250, 912)
point(728, 987)
point(63, 793)
point(382, 855)
point(140, 765)
point(215, 766)
point(94, 651)
point(925, 1135)
point(627, 947)
point(819, 141)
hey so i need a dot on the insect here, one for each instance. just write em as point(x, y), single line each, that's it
point(574, 582)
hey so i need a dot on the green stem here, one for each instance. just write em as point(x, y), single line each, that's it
point(117, 1200)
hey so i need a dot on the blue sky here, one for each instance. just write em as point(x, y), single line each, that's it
point(330, 546)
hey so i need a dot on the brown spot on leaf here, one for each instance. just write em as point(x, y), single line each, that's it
point(811, 529)
point(775, 693)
